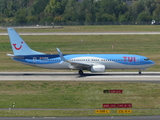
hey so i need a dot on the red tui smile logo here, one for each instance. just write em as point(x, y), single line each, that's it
point(17, 48)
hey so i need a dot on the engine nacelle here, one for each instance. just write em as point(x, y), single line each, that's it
point(98, 68)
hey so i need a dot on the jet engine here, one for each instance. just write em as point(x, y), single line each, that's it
point(98, 68)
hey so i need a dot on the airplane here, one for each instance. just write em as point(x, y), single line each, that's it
point(96, 63)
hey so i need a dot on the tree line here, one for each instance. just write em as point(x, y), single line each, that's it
point(49, 12)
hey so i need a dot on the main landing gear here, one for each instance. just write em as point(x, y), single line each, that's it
point(80, 72)
point(140, 73)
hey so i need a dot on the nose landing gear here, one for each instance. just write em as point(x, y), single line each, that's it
point(140, 71)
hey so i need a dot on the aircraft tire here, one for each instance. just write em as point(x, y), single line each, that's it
point(80, 72)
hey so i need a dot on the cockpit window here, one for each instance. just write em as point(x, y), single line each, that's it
point(146, 59)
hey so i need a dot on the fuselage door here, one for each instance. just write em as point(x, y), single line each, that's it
point(34, 59)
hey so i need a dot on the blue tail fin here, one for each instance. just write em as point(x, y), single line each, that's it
point(19, 47)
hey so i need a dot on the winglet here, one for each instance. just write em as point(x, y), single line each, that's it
point(61, 55)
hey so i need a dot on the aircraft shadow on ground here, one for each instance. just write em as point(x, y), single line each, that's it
point(119, 74)
point(75, 74)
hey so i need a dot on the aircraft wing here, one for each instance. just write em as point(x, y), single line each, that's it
point(73, 65)
point(77, 65)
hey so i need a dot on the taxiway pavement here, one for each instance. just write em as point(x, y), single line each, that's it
point(73, 76)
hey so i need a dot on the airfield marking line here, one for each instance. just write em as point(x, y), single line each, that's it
point(89, 33)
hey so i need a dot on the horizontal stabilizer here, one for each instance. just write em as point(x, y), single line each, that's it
point(11, 55)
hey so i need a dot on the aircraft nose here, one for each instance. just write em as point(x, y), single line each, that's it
point(152, 62)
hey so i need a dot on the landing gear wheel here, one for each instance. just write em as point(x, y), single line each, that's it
point(140, 73)
point(80, 72)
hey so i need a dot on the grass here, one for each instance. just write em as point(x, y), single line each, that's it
point(96, 28)
point(81, 95)
point(86, 95)
point(145, 45)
